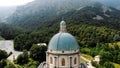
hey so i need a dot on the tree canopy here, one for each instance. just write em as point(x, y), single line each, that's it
point(38, 52)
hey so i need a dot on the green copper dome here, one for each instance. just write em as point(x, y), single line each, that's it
point(63, 41)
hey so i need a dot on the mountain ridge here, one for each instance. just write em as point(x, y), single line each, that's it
point(110, 3)
point(43, 10)
point(43, 17)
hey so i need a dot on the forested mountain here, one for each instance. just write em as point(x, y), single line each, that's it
point(39, 11)
point(92, 24)
point(9, 31)
point(44, 15)
point(39, 14)
point(95, 14)
point(112, 3)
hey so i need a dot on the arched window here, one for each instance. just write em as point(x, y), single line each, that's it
point(62, 51)
point(51, 60)
point(75, 61)
point(63, 62)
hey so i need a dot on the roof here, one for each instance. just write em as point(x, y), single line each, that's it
point(63, 41)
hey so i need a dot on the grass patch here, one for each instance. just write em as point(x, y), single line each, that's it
point(116, 65)
point(87, 56)
point(1, 38)
point(82, 60)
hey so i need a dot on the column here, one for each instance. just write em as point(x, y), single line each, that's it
point(55, 62)
point(47, 59)
point(70, 61)
point(58, 61)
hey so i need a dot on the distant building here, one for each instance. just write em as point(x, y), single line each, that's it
point(97, 59)
point(44, 44)
point(63, 51)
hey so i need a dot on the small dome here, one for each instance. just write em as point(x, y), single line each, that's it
point(62, 23)
point(63, 41)
point(63, 26)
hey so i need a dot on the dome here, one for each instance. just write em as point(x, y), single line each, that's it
point(63, 23)
point(63, 41)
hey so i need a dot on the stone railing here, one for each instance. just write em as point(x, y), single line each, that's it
point(42, 65)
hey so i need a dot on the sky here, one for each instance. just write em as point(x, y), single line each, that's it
point(13, 2)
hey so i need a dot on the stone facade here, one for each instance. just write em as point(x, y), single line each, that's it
point(62, 59)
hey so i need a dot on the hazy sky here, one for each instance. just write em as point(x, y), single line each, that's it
point(13, 2)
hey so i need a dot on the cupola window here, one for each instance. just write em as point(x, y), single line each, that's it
point(63, 62)
point(51, 60)
point(62, 51)
point(75, 61)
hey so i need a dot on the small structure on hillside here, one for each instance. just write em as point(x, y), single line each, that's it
point(44, 44)
point(97, 59)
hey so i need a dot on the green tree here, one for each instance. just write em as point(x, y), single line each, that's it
point(10, 65)
point(3, 63)
point(38, 52)
point(3, 54)
point(109, 65)
point(22, 58)
point(20, 42)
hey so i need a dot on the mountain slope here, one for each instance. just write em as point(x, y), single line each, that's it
point(6, 12)
point(97, 15)
point(38, 12)
point(42, 14)
point(111, 3)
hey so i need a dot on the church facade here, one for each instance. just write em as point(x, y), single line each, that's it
point(63, 51)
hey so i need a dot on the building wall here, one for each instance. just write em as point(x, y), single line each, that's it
point(63, 52)
point(57, 59)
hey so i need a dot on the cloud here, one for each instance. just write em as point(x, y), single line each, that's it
point(13, 2)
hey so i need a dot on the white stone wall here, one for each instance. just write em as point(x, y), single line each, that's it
point(66, 61)
point(57, 58)
point(53, 64)
point(61, 52)
point(77, 61)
